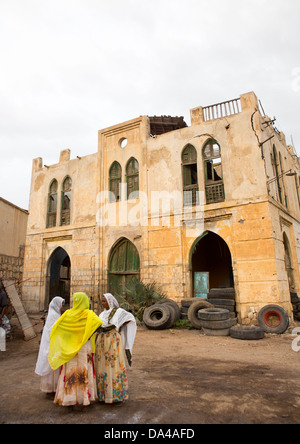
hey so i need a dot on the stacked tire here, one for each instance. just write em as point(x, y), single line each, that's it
point(223, 298)
point(185, 305)
point(194, 310)
point(216, 321)
point(161, 315)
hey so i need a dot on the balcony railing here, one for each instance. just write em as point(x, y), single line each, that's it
point(224, 109)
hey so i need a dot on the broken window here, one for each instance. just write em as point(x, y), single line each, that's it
point(282, 180)
point(214, 186)
point(52, 204)
point(66, 201)
point(132, 179)
point(190, 176)
point(115, 177)
point(276, 168)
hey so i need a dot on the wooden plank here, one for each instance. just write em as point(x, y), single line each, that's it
point(16, 302)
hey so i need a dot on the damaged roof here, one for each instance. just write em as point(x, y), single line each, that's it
point(164, 124)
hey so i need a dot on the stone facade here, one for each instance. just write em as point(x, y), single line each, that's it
point(13, 225)
point(248, 209)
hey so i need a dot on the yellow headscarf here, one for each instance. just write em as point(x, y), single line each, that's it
point(71, 331)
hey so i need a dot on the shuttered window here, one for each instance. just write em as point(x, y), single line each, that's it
point(115, 177)
point(124, 265)
point(132, 179)
point(190, 176)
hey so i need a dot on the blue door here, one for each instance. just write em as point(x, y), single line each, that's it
point(201, 284)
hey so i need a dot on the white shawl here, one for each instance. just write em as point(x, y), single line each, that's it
point(54, 312)
point(121, 316)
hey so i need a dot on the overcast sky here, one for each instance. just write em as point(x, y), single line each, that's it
point(72, 67)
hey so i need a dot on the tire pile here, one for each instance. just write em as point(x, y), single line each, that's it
point(161, 315)
point(223, 298)
point(296, 306)
point(216, 321)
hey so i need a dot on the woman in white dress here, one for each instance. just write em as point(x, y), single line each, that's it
point(114, 342)
point(49, 377)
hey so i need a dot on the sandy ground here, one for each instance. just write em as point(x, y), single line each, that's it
point(177, 377)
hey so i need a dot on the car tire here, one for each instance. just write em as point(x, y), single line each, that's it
point(193, 312)
point(157, 317)
point(174, 305)
point(211, 332)
point(217, 325)
point(246, 332)
point(213, 314)
point(273, 319)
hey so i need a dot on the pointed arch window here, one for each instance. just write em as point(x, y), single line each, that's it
point(115, 177)
point(52, 204)
point(66, 201)
point(214, 185)
point(276, 171)
point(190, 176)
point(132, 178)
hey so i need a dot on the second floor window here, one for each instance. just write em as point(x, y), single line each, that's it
point(115, 177)
point(190, 176)
point(214, 186)
point(66, 201)
point(132, 178)
point(52, 205)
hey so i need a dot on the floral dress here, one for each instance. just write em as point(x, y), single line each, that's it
point(77, 380)
point(111, 375)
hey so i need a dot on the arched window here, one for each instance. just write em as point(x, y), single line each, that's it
point(52, 204)
point(190, 176)
point(124, 265)
point(214, 186)
point(276, 170)
point(115, 177)
point(282, 180)
point(66, 201)
point(132, 178)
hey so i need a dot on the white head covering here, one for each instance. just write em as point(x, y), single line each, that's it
point(54, 312)
point(120, 317)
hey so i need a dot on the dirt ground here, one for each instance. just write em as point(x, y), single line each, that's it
point(178, 377)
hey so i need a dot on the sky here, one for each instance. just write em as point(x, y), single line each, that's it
point(69, 68)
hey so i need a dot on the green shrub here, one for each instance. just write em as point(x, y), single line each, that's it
point(137, 296)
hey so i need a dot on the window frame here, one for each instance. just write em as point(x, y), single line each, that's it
point(133, 177)
point(115, 182)
point(52, 194)
point(214, 187)
point(190, 186)
point(65, 216)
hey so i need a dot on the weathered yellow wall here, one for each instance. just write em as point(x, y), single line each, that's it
point(13, 224)
point(250, 220)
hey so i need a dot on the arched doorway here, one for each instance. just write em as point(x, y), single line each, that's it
point(124, 264)
point(59, 275)
point(210, 254)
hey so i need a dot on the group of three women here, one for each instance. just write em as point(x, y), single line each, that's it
point(82, 356)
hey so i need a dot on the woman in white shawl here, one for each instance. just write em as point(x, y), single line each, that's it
point(117, 335)
point(49, 377)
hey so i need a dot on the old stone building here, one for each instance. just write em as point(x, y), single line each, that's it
point(164, 201)
point(13, 224)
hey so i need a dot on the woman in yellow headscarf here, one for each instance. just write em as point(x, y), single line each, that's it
point(72, 345)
